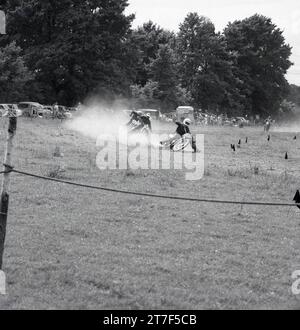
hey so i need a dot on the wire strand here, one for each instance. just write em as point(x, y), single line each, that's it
point(141, 194)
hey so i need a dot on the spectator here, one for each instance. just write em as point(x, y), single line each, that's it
point(55, 110)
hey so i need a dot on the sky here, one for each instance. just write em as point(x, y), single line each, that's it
point(170, 13)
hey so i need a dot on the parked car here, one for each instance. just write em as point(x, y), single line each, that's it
point(46, 111)
point(241, 121)
point(154, 114)
point(14, 110)
point(227, 122)
point(4, 109)
point(67, 114)
point(72, 109)
point(30, 109)
point(63, 112)
point(184, 112)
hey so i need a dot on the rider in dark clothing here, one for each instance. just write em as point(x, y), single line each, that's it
point(134, 117)
point(146, 120)
point(182, 129)
point(139, 120)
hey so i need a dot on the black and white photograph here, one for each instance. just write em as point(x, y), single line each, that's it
point(150, 158)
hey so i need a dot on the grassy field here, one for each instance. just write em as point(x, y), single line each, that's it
point(73, 248)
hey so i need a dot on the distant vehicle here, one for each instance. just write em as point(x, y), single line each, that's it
point(184, 112)
point(227, 122)
point(61, 108)
point(72, 109)
point(68, 114)
point(48, 107)
point(30, 109)
point(154, 114)
point(14, 110)
point(241, 121)
point(46, 111)
point(63, 112)
point(4, 109)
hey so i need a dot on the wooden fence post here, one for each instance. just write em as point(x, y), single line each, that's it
point(12, 127)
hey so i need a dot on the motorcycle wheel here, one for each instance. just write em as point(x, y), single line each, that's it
point(180, 145)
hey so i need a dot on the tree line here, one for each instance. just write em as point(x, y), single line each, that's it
point(68, 50)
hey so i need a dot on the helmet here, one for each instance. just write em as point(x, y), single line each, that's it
point(139, 113)
point(187, 121)
point(148, 115)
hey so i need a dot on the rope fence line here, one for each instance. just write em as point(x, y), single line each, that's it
point(150, 195)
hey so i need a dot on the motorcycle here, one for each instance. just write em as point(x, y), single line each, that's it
point(176, 143)
point(137, 129)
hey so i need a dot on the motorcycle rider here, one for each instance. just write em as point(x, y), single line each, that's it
point(183, 128)
point(134, 118)
point(146, 120)
point(139, 120)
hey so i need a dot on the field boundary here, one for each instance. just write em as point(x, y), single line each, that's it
point(10, 169)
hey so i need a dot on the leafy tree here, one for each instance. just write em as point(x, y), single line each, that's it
point(14, 75)
point(205, 66)
point(145, 96)
point(287, 111)
point(163, 90)
point(75, 47)
point(163, 70)
point(146, 41)
point(149, 96)
point(192, 41)
point(294, 94)
point(262, 61)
